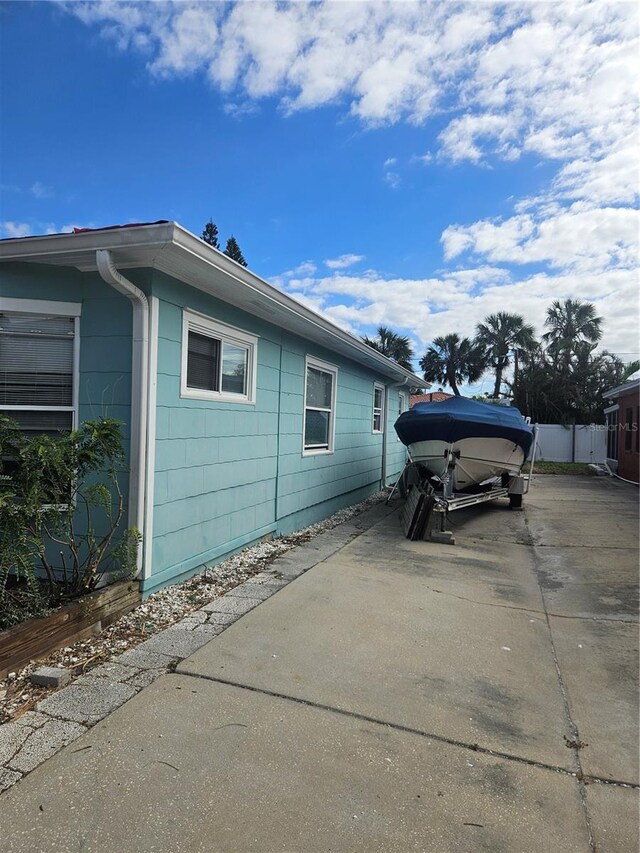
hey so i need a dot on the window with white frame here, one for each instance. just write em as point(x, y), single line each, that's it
point(39, 365)
point(218, 361)
point(378, 408)
point(321, 380)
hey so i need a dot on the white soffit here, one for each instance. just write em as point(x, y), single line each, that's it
point(171, 249)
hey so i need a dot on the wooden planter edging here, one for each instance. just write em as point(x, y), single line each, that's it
point(74, 621)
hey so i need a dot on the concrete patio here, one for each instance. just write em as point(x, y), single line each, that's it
point(397, 696)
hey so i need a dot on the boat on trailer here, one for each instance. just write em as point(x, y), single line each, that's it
point(463, 443)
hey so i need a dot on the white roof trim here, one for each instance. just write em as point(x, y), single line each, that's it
point(622, 389)
point(164, 246)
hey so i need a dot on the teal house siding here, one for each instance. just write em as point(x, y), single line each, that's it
point(227, 474)
point(311, 487)
point(104, 382)
point(216, 461)
point(214, 474)
point(105, 333)
point(396, 451)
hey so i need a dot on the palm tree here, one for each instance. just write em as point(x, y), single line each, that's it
point(396, 347)
point(500, 336)
point(452, 360)
point(629, 370)
point(570, 324)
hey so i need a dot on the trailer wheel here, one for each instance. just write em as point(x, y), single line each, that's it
point(515, 501)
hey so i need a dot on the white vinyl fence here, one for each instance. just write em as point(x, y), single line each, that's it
point(577, 443)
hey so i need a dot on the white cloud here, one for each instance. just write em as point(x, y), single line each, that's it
point(535, 82)
point(67, 229)
point(15, 229)
point(425, 159)
point(461, 138)
point(304, 268)
point(556, 80)
point(391, 175)
point(612, 178)
point(24, 229)
point(40, 191)
point(457, 300)
point(241, 109)
point(343, 261)
point(579, 238)
point(392, 179)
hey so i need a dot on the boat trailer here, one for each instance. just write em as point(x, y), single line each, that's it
point(423, 500)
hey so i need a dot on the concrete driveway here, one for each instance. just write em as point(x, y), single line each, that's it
point(398, 696)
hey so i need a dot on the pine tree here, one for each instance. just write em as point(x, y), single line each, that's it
point(232, 251)
point(210, 234)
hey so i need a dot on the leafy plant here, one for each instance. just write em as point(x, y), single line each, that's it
point(397, 347)
point(61, 508)
point(453, 360)
point(503, 336)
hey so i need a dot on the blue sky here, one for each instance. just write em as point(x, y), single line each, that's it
point(413, 165)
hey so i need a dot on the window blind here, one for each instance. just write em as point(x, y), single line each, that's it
point(36, 360)
point(202, 362)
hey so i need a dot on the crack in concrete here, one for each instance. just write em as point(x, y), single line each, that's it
point(563, 545)
point(568, 545)
point(531, 610)
point(7, 763)
point(31, 730)
point(565, 697)
point(472, 747)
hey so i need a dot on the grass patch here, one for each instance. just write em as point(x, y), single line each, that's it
point(581, 468)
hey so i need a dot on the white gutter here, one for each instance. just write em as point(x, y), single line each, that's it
point(630, 385)
point(139, 388)
point(196, 247)
point(166, 246)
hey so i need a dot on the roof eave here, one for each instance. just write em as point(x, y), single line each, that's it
point(153, 241)
point(50, 246)
point(620, 389)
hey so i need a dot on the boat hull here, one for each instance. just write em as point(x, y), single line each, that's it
point(476, 459)
point(469, 440)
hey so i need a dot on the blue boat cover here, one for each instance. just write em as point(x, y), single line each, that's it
point(460, 417)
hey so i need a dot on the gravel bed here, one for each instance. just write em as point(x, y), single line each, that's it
point(162, 609)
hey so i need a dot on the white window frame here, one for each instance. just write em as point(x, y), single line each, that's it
point(201, 324)
point(377, 386)
point(10, 305)
point(613, 437)
point(310, 361)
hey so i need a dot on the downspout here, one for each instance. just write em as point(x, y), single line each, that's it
point(387, 388)
point(139, 388)
point(277, 508)
point(385, 429)
point(404, 384)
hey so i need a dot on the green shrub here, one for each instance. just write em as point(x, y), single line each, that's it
point(60, 495)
